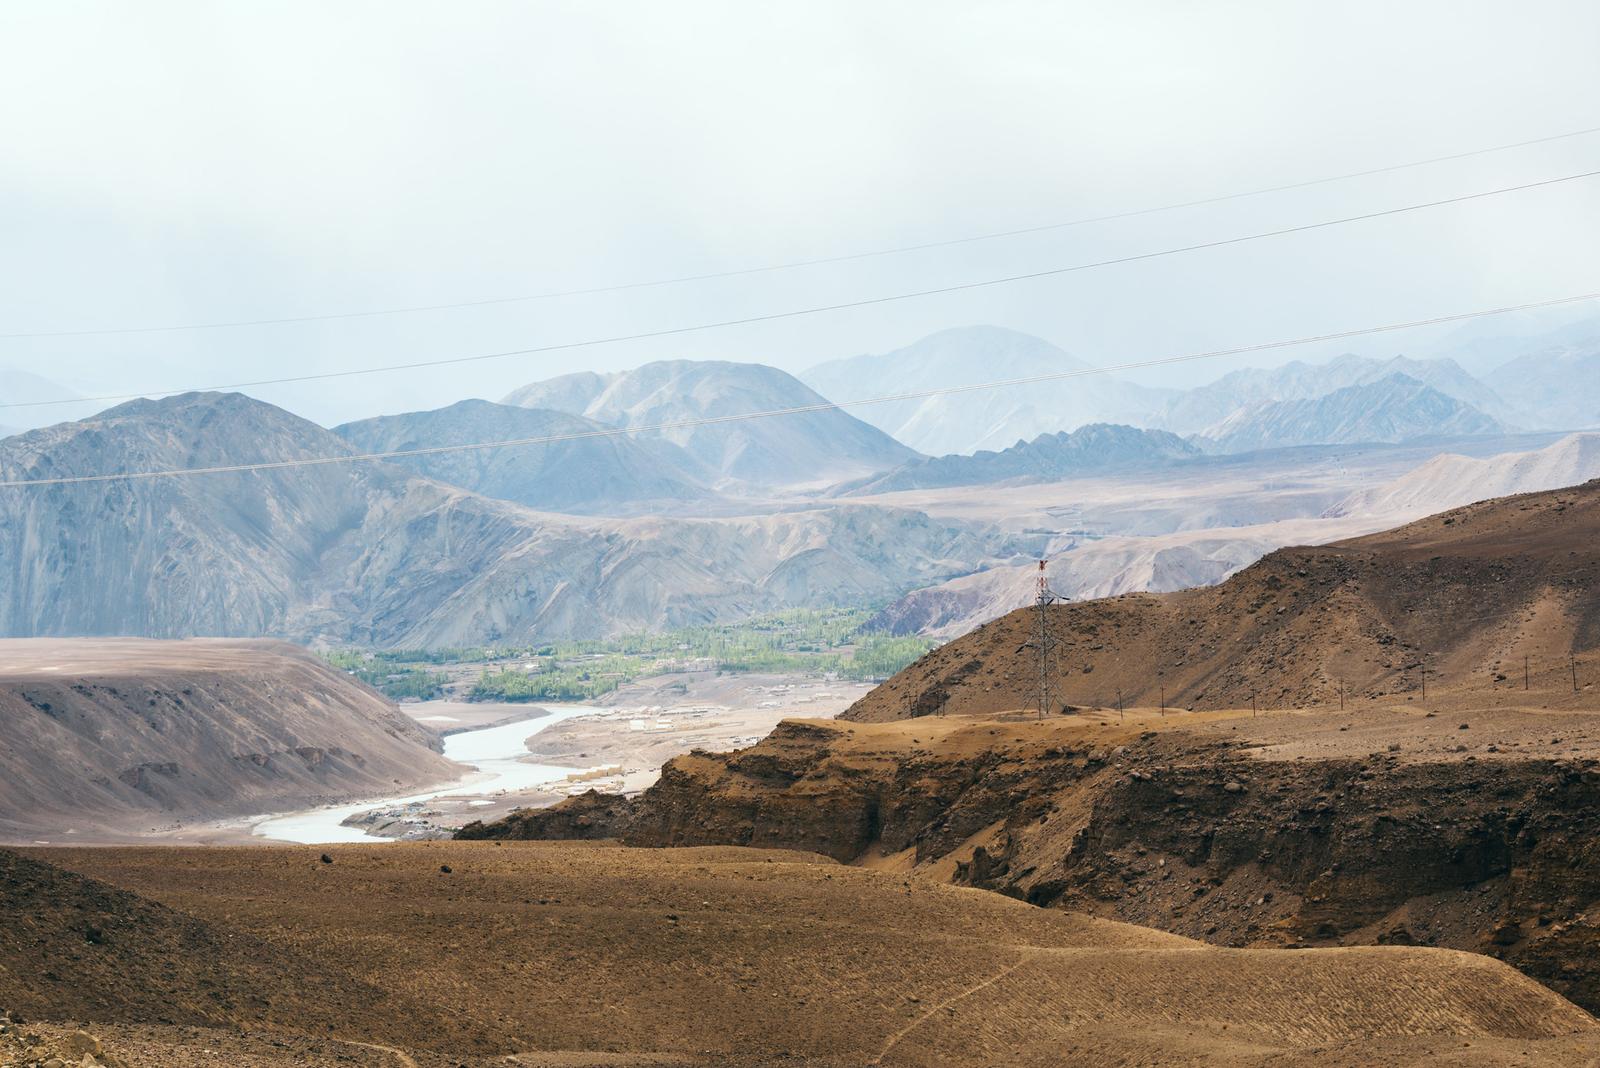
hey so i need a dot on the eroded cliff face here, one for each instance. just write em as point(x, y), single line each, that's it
point(1214, 829)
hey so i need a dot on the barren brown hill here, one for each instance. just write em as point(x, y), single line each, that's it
point(582, 955)
point(1457, 600)
point(1459, 823)
point(75, 948)
point(117, 735)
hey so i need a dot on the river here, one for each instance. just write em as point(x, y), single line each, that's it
point(494, 751)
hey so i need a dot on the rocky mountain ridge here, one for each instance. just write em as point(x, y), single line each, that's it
point(370, 554)
point(1096, 448)
point(1395, 408)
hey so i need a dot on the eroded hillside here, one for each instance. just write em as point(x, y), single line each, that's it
point(1462, 597)
point(115, 736)
point(1378, 825)
point(745, 957)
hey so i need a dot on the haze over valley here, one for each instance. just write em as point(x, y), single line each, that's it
point(813, 536)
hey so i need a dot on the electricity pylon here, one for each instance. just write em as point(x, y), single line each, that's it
point(1042, 641)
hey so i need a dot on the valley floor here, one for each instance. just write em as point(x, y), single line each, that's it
point(620, 744)
point(616, 745)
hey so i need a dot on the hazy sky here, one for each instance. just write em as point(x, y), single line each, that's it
point(167, 162)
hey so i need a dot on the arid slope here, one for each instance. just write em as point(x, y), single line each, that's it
point(127, 734)
point(76, 948)
point(1454, 824)
point(1462, 597)
point(580, 955)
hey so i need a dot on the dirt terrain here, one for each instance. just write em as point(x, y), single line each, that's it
point(1457, 600)
point(113, 738)
point(1449, 824)
point(584, 955)
point(1463, 817)
point(75, 948)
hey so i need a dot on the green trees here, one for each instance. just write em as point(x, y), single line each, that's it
point(822, 642)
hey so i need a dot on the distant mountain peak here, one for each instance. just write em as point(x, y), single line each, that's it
point(1202, 408)
point(994, 418)
point(811, 447)
point(1394, 408)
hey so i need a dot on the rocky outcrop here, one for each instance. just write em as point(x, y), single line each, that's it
point(588, 817)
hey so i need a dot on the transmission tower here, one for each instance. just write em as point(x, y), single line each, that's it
point(1042, 642)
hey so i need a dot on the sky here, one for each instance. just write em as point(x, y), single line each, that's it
point(169, 163)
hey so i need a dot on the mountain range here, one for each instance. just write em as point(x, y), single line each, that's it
point(1204, 549)
point(1196, 410)
point(1531, 379)
point(1391, 409)
point(716, 519)
point(370, 553)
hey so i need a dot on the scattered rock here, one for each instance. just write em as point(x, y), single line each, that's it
point(82, 1042)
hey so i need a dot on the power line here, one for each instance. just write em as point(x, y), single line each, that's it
point(815, 262)
point(818, 309)
point(679, 424)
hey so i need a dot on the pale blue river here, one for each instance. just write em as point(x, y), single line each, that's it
point(495, 752)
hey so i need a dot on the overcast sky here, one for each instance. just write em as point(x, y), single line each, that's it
point(167, 162)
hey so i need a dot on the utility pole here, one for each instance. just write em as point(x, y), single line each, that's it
point(1119, 704)
point(1042, 640)
point(1164, 697)
point(1572, 662)
point(1422, 665)
point(1341, 693)
point(1524, 671)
